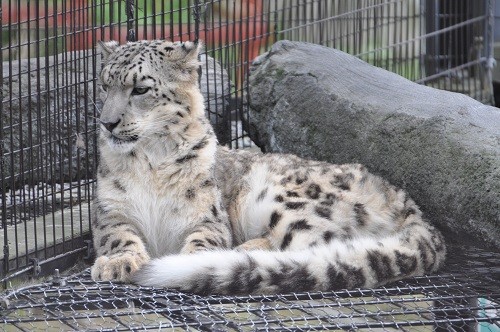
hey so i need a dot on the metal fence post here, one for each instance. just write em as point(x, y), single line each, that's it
point(488, 46)
point(5, 267)
point(131, 33)
point(196, 14)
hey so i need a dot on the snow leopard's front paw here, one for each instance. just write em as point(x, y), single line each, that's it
point(117, 267)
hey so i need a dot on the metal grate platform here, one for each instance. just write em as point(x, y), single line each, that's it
point(452, 301)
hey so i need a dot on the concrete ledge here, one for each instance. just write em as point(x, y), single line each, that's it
point(443, 147)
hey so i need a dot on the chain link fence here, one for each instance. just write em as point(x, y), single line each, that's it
point(452, 301)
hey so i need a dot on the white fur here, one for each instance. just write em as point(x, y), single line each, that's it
point(163, 229)
point(255, 213)
point(179, 271)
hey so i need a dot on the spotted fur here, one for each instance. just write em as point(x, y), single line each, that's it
point(173, 209)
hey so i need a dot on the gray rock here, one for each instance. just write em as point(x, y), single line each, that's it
point(216, 88)
point(442, 147)
point(49, 116)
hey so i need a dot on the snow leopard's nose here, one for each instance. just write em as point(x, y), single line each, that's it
point(110, 125)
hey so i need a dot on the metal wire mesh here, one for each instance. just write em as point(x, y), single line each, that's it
point(49, 104)
point(455, 301)
point(47, 131)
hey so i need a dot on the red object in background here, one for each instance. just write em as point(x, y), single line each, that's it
point(72, 16)
point(238, 23)
point(241, 24)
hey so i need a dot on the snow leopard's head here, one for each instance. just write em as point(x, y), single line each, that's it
point(147, 87)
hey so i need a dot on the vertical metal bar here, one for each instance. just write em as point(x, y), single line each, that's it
point(144, 20)
point(136, 20)
point(258, 20)
point(415, 63)
point(237, 51)
point(179, 11)
point(330, 9)
point(386, 13)
point(13, 206)
point(218, 86)
point(422, 43)
point(342, 24)
point(276, 21)
point(118, 7)
point(397, 60)
point(455, 40)
point(5, 249)
point(347, 35)
point(196, 14)
point(75, 85)
point(412, 48)
point(27, 201)
point(71, 108)
point(298, 21)
point(466, 39)
point(359, 32)
point(65, 114)
point(83, 132)
point(171, 20)
point(208, 100)
point(55, 123)
point(47, 144)
point(188, 23)
point(39, 162)
point(162, 20)
point(95, 112)
point(308, 14)
point(488, 47)
point(266, 12)
point(129, 10)
point(153, 20)
point(21, 136)
point(228, 48)
point(111, 18)
point(322, 13)
point(475, 68)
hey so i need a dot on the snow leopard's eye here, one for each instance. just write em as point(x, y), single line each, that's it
point(104, 87)
point(140, 91)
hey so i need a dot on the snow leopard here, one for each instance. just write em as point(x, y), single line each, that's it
point(174, 209)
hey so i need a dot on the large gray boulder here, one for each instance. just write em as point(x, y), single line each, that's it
point(49, 114)
point(443, 147)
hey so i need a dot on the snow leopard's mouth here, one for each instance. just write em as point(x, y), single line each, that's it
point(122, 144)
point(120, 140)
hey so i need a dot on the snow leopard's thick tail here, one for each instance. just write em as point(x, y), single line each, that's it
point(418, 249)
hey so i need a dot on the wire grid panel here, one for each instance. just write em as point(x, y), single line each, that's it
point(48, 131)
point(448, 302)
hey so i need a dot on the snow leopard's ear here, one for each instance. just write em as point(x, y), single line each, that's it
point(107, 48)
point(193, 49)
